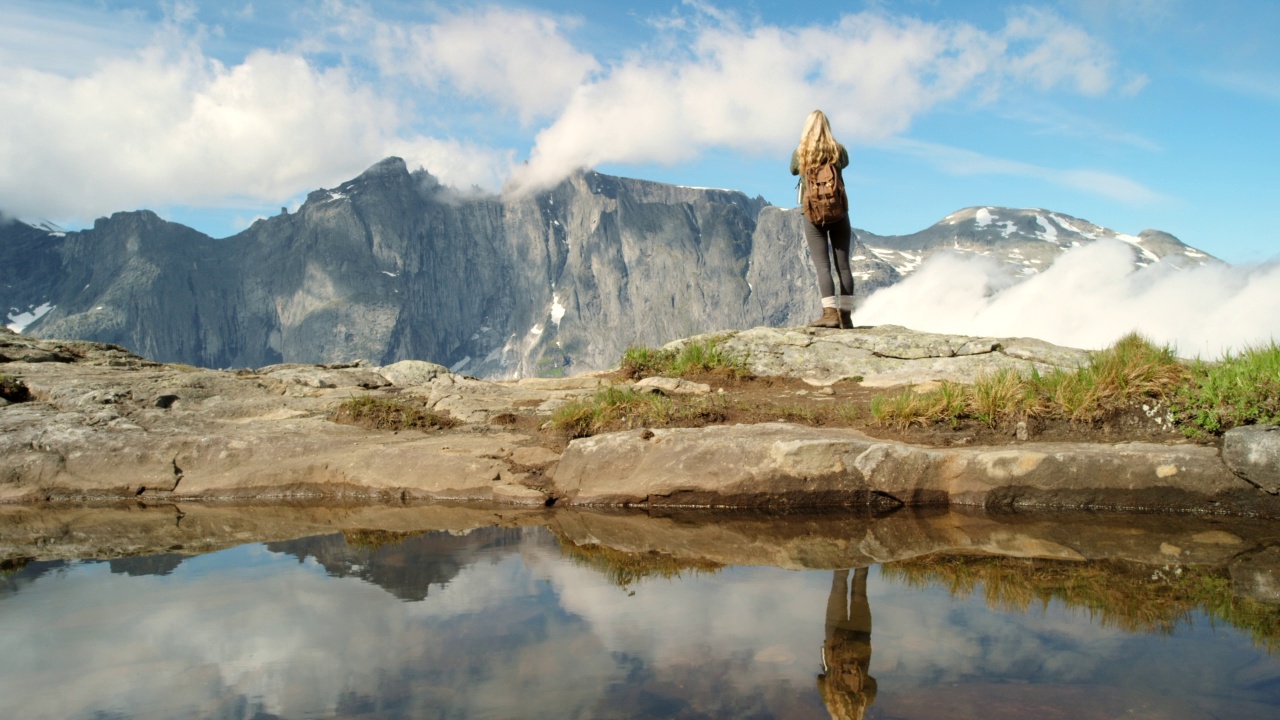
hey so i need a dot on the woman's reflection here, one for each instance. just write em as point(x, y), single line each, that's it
point(846, 688)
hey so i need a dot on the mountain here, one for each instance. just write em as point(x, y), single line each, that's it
point(392, 265)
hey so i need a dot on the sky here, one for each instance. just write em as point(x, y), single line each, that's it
point(1131, 114)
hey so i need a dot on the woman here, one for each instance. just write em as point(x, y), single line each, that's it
point(818, 147)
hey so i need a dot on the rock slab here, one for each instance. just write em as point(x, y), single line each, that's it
point(781, 465)
point(1253, 453)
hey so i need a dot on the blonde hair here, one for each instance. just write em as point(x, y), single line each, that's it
point(817, 144)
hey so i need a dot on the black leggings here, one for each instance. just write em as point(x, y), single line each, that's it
point(840, 234)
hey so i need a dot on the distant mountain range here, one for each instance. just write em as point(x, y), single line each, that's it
point(392, 265)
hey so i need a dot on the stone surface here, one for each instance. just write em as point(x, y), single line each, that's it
point(885, 355)
point(109, 425)
point(671, 386)
point(775, 464)
point(1253, 453)
point(412, 373)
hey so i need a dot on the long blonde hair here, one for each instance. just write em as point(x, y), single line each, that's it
point(817, 144)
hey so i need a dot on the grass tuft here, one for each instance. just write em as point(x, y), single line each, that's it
point(376, 413)
point(13, 389)
point(1130, 371)
point(1239, 390)
point(614, 408)
point(694, 358)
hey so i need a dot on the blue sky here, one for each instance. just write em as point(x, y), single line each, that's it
point(1131, 114)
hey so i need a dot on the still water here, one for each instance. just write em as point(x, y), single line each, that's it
point(517, 623)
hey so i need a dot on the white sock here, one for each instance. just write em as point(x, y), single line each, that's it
point(829, 302)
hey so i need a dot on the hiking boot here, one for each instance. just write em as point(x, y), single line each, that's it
point(846, 319)
point(830, 319)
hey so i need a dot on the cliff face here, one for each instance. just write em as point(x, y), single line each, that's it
point(390, 266)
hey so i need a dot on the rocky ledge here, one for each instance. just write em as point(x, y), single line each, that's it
point(104, 424)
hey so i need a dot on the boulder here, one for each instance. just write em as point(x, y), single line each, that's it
point(776, 464)
point(884, 355)
point(412, 373)
point(1253, 453)
point(671, 386)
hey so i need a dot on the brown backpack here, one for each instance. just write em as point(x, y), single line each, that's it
point(825, 201)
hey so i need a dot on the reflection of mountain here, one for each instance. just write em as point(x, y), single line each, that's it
point(153, 565)
point(17, 574)
point(404, 565)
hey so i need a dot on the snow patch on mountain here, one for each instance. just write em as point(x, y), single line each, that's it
point(20, 319)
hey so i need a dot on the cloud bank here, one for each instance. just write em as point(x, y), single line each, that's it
point(749, 88)
point(468, 94)
point(1088, 298)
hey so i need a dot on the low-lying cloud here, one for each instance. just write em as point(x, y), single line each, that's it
point(1090, 297)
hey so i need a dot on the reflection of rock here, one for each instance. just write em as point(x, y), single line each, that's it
point(831, 541)
point(846, 686)
point(796, 541)
point(1257, 575)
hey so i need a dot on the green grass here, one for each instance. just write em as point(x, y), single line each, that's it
point(1132, 370)
point(619, 408)
point(376, 413)
point(694, 358)
point(1241, 389)
point(13, 389)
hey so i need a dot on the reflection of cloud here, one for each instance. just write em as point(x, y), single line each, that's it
point(245, 626)
point(771, 615)
point(522, 631)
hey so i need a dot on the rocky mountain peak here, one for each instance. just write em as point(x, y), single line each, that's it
point(391, 265)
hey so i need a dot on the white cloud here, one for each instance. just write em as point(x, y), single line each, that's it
point(749, 89)
point(1089, 298)
point(163, 123)
point(516, 59)
point(1058, 53)
point(169, 125)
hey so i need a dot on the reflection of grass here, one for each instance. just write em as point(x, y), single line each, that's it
point(376, 539)
point(13, 565)
point(624, 568)
point(1128, 596)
